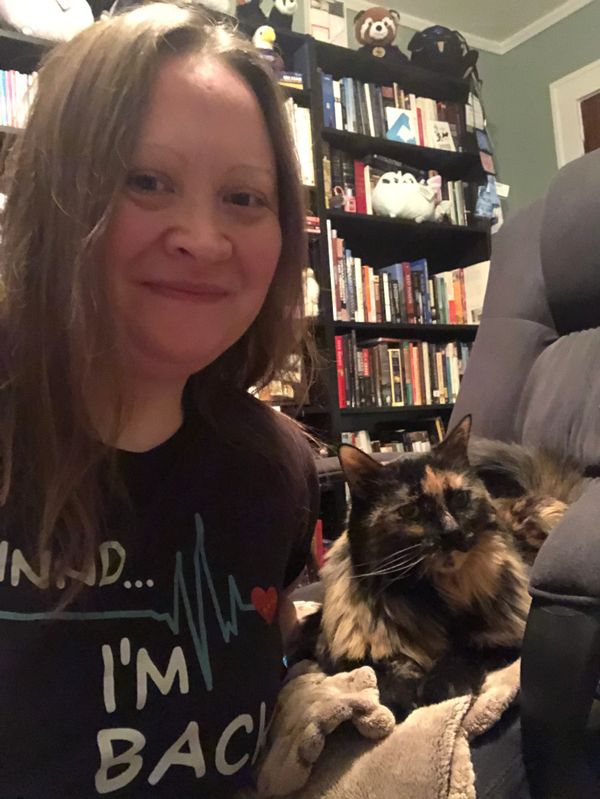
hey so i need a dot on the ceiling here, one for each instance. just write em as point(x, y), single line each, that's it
point(496, 25)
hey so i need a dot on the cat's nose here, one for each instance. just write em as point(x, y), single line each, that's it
point(449, 524)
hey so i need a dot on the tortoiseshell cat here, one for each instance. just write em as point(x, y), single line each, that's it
point(427, 585)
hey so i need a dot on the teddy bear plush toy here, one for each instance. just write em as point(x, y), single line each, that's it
point(375, 29)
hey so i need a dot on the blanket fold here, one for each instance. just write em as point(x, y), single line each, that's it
point(314, 753)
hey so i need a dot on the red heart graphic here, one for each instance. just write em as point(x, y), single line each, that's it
point(265, 602)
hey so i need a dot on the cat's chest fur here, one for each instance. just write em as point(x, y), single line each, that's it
point(482, 604)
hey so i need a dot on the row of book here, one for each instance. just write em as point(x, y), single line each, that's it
point(390, 372)
point(398, 440)
point(299, 121)
point(402, 293)
point(349, 184)
point(389, 111)
point(16, 95)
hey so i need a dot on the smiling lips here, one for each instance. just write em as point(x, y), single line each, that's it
point(187, 291)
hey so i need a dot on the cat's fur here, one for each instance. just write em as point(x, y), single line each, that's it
point(427, 585)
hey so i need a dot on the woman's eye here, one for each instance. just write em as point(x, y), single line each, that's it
point(460, 499)
point(246, 199)
point(409, 512)
point(148, 183)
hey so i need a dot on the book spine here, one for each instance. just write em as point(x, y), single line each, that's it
point(328, 101)
point(360, 188)
point(377, 289)
point(335, 296)
point(337, 106)
point(408, 293)
point(463, 296)
point(385, 375)
point(407, 372)
point(426, 373)
point(371, 121)
point(349, 269)
point(360, 300)
point(373, 295)
point(387, 305)
point(339, 363)
point(368, 189)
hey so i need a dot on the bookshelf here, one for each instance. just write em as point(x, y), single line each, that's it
point(381, 241)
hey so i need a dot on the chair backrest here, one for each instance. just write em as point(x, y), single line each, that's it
point(534, 374)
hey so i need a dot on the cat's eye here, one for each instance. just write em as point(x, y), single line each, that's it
point(409, 512)
point(460, 499)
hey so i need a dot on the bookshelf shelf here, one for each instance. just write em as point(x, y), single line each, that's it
point(423, 332)
point(21, 52)
point(9, 130)
point(385, 240)
point(452, 165)
point(341, 62)
point(373, 417)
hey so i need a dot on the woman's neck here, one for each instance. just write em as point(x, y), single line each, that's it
point(153, 413)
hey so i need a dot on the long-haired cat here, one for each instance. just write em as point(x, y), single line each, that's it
point(427, 585)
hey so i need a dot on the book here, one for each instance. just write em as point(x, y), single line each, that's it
point(401, 125)
point(328, 101)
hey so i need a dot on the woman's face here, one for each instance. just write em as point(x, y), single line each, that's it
point(195, 239)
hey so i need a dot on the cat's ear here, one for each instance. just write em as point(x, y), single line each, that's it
point(454, 448)
point(359, 468)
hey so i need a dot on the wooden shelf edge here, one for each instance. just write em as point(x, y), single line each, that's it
point(16, 36)
point(399, 410)
point(408, 326)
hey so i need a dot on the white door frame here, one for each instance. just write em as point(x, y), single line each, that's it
point(566, 96)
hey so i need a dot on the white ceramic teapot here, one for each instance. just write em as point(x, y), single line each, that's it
point(57, 20)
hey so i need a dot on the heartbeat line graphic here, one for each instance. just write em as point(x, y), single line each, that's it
point(193, 607)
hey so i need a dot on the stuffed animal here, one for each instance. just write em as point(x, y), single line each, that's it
point(264, 41)
point(443, 50)
point(375, 29)
point(399, 195)
point(281, 15)
point(250, 13)
point(48, 19)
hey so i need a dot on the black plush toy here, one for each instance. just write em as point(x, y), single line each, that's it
point(250, 14)
point(443, 50)
point(375, 29)
point(282, 13)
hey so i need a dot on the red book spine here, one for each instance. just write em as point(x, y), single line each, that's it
point(409, 296)
point(360, 187)
point(452, 312)
point(420, 125)
point(318, 548)
point(339, 364)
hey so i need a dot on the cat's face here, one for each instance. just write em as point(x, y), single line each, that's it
point(418, 515)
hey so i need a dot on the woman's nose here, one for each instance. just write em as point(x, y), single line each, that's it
point(199, 231)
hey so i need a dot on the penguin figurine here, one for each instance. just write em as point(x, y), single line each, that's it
point(282, 13)
point(250, 14)
point(264, 41)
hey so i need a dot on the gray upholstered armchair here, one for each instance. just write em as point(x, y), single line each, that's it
point(534, 377)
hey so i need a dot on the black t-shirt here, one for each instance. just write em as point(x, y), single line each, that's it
point(160, 679)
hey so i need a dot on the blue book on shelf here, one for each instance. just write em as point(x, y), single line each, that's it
point(328, 101)
point(419, 269)
point(402, 128)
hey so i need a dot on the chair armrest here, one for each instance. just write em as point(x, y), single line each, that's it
point(561, 655)
point(560, 668)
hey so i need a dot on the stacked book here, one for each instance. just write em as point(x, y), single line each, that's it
point(354, 180)
point(299, 121)
point(402, 293)
point(398, 440)
point(16, 95)
point(397, 373)
point(291, 80)
point(389, 111)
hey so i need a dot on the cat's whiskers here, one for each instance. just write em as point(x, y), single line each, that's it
point(397, 553)
point(401, 576)
point(402, 567)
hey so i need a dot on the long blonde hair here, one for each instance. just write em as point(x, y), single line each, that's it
point(64, 175)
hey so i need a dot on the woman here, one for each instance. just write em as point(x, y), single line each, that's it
point(153, 511)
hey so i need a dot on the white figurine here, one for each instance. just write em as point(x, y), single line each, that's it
point(311, 293)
